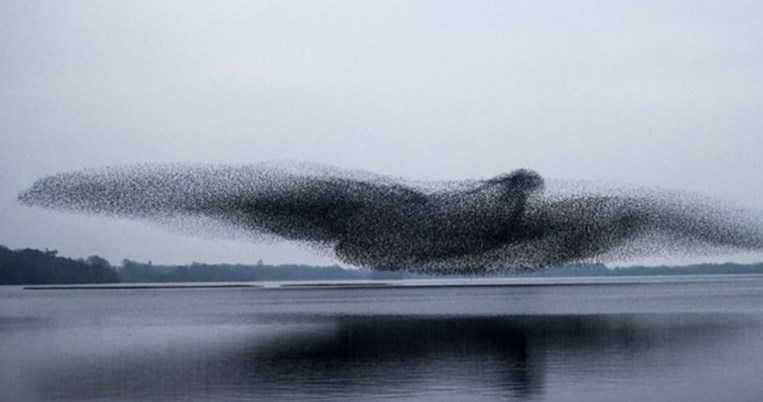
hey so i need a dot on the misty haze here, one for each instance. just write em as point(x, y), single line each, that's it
point(402, 200)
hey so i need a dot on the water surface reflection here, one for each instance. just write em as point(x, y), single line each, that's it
point(362, 357)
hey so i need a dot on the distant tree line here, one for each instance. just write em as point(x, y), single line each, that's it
point(36, 267)
point(132, 271)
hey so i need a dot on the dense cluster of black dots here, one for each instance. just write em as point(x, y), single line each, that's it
point(513, 221)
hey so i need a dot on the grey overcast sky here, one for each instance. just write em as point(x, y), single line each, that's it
point(662, 93)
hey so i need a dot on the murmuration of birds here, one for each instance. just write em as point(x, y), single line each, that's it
point(515, 221)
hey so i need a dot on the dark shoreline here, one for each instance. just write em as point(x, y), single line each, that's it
point(519, 282)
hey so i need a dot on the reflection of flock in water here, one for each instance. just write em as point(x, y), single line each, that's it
point(514, 220)
point(351, 357)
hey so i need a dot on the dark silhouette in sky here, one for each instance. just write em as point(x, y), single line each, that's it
point(512, 220)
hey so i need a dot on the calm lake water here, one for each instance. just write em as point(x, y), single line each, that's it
point(655, 339)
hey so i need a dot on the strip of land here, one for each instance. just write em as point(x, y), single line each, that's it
point(417, 283)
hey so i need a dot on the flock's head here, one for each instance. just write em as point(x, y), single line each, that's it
point(520, 182)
